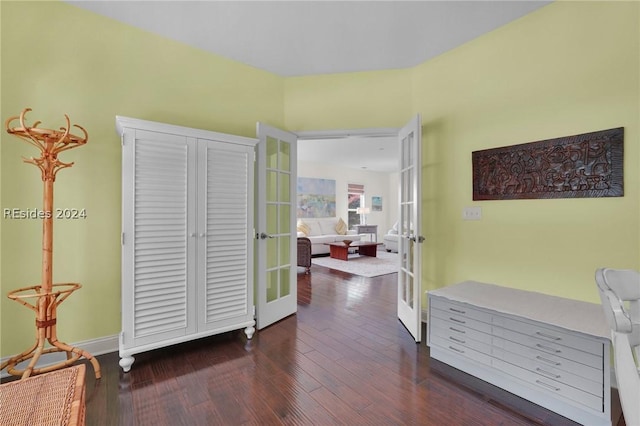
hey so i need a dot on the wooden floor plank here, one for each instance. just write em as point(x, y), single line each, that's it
point(344, 358)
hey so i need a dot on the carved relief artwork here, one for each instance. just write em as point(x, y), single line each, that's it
point(580, 166)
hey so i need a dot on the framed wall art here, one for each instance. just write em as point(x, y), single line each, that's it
point(376, 204)
point(316, 197)
point(580, 166)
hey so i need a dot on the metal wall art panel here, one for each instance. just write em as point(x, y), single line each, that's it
point(580, 166)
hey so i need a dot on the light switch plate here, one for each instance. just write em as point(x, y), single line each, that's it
point(472, 213)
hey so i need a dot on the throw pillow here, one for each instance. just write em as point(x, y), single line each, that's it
point(304, 228)
point(341, 227)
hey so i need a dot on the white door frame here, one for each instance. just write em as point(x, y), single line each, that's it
point(346, 133)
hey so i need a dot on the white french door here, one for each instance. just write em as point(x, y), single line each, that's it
point(276, 236)
point(409, 230)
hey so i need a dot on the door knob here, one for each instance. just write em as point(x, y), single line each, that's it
point(264, 236)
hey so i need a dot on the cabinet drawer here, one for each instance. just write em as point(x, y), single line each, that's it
point(545, 359)
point(461, 350)
point(549, 334)
point(459, 335)
point(554, 370)
point(551, 386)
point(457, 320)
point(545, 347)
point(461, 310)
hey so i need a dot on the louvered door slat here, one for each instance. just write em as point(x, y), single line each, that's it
point(160, 253)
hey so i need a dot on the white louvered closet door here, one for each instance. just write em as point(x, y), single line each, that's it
point(225, 234)
point(156, 239)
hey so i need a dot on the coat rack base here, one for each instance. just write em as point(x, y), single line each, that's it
point(45, 307)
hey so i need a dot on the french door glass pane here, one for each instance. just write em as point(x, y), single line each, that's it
point(285, 157)
point(285, 195)
point(272, 186)
point(272, 253)
point(272, 286)
point(285, 244)
point(285, 219)
point(272, 219)
point(285, 288)
point(272, 153)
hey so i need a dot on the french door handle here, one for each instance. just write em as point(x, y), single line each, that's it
point(416, 238)
point(264, 236)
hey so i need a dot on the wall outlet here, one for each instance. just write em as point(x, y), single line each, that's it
point(472, 213)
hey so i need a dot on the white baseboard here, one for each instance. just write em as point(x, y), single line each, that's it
point(95, 347)
point(424, 315)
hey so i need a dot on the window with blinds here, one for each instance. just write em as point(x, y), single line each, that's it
point(355, 200)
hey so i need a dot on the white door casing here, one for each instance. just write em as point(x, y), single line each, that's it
point(409, 228)
point(276, 237)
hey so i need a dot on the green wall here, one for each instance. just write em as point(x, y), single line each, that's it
point(58, 59)
point(348, 101)
point(568, 68)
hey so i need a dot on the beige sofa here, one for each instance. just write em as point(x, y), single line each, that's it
point(322, 231)
point(390, 239)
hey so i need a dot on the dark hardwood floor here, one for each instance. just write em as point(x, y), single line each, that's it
point(343, 359)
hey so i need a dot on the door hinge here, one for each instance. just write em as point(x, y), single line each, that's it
point(122, 239)
point(254, 310)
point(122, 139)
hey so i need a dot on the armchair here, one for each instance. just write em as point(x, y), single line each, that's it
point(304, 253)
point(620, 295)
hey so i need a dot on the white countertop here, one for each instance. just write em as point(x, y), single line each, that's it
point(575, 315)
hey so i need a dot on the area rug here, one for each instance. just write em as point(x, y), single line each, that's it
point(365, 266)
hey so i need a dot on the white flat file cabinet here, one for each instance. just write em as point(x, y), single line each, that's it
point(368, 229)
point(549, 350)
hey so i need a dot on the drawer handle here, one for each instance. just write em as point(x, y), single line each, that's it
point(459, 311)
point(457, 320)
point(456, 330)
point(546, 373)
point(456, 349)
point(548, 336)
point(548, 361)
point(457, 340)
point(547, 385)
point(548, 349)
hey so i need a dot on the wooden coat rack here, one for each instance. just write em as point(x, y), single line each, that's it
point(45, 298)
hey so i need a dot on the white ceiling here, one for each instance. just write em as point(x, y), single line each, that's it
point(294, 38)
point(373, 154)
